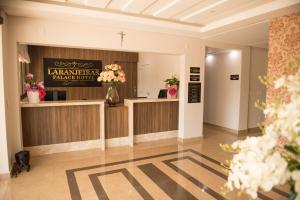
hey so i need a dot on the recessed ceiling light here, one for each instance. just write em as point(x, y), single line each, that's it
point(127, 4)
point(166, 7)
point(209, 57)
point(203, 9)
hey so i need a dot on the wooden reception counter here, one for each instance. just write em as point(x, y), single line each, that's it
point(55, 122)
point(57, 126)
point(152, 118)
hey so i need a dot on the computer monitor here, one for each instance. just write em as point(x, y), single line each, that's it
point(163, 93)
point(55, 95)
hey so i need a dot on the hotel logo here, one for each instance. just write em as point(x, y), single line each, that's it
point(71, 72)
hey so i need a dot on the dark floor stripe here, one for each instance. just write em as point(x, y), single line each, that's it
point(192, 179)
point(73, 186)
point(223, 176)
point(141, 190)
point(101, 192)
point(74, 189)
point(168, 185)
point(276, 190)
point(98, 188)
point(127, 161)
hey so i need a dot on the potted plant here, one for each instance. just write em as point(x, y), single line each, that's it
point(172, 86)
point(35, 90)
point(112, 75)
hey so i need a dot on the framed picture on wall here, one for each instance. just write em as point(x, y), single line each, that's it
point(71, 72)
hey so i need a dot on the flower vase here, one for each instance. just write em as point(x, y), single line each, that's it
point(33, 96)
point(293, 196)
point(112, 96)
point(172, 91)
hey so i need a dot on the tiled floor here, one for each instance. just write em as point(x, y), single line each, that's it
point(155, 170)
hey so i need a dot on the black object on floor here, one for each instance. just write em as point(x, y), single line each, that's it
point(15, 170)
point(22, 159)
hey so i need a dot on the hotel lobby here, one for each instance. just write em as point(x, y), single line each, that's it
point(150, 99)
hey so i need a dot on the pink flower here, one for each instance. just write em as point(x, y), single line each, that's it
point(42, 94)
point(27, 87)
point(40, 85)
point(29, 76)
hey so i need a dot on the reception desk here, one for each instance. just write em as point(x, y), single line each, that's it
point(151, 119)
point(58, 126)
point(56, 122)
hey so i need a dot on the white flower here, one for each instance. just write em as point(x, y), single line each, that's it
point(279, 82)
point(256, 166)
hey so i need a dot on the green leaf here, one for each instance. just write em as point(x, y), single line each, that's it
point(293, 149)
point(293, 165)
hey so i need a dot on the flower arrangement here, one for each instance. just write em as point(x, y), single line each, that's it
point(172, 81)
point(30, 85)
point(112, 74)
point(172, 86)
point(274, 158)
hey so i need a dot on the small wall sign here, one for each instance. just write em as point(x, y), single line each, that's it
point(194, 70)
point(71, 72)
point(234, 77)
point(195, 77)
point(194, 93)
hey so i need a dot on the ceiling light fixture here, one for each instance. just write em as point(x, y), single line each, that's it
point(203, 10)
point(166, 7)
point(127, 4)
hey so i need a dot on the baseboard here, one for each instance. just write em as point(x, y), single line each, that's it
point(92, 144)
point(233, 131)
point(155, 136)
point(221, 128)
point(115, 142)
point(63, 147)
point(4, 176)
point(189, 140)
point(249, 131)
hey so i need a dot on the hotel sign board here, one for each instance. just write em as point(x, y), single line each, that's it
point(71, 72)
point(194, 93)
point(194, 70)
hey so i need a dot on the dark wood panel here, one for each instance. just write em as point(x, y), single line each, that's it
point(116, 122)
point(155, 117)
point(53, 125)
point(128, 60)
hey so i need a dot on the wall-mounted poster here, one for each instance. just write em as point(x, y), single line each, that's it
point(194, 93)
point(194, 77)
point(234, 77)
point(71, 72)
point(194, 70)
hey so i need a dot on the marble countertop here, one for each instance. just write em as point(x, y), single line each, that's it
point(148, 100)
point(26, 104)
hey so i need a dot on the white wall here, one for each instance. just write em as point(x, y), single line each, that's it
point(45, 32)
point(153, 70)
point(258, 66)
point(222, 95)
point(4, 161)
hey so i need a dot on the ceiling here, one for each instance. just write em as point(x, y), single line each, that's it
point(192, 12)
point(243, 22)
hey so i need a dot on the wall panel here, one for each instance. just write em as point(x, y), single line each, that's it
point(127, 60)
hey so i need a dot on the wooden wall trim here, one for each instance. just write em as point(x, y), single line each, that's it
point(128, 60)
point(116, 122)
